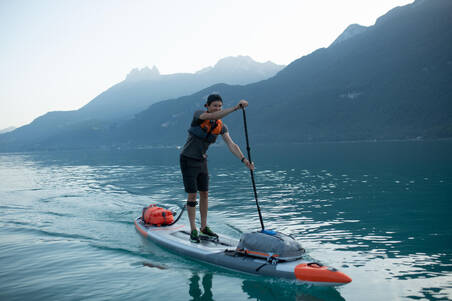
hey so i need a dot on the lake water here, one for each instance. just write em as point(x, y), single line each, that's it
point(380, 212)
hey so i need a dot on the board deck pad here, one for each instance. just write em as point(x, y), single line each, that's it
point(220, 241)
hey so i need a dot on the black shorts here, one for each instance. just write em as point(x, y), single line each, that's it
point(194, 174)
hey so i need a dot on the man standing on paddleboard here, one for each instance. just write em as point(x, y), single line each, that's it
point(204, 130)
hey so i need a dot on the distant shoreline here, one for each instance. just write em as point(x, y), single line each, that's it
point(149, 147)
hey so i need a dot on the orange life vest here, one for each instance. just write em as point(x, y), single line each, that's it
point(208, 124)
point(207, 130)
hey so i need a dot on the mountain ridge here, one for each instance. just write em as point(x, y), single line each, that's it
point(390, 82)
point(122, 101)
point(376, 85)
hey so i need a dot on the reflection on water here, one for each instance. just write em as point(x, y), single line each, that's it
point(274, 290)
point(200, 288)
point(195, 291)
point(383, 222)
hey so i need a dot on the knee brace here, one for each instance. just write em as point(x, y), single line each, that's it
point(192, 203)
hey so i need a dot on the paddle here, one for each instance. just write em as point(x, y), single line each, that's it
point(248, 149)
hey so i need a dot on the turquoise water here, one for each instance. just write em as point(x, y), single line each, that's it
point(380, 212)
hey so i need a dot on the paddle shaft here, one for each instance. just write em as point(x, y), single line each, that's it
point(248, 149)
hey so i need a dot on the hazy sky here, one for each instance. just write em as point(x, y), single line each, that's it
point(60, 54)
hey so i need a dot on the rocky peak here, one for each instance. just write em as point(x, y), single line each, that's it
point(351, 31)
point(143, 74)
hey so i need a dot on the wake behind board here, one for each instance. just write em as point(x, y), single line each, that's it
point(222, 252)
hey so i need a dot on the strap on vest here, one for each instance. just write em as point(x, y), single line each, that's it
point(213, 125)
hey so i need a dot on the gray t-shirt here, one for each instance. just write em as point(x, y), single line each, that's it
point(195, 147)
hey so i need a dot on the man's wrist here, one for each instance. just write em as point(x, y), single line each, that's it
point(243, 159)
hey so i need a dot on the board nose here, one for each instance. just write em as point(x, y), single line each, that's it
point(314, 272)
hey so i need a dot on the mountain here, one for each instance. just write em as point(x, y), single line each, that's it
point(239, 71)
point(147, 86)
point(143, 74)
point(392, 80)
point(140, 89)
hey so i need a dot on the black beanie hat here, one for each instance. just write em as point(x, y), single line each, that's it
point(212, 98)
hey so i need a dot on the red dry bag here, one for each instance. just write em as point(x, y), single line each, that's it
point(157, 216)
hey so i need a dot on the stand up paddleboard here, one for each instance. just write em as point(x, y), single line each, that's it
point(266, 252)
point(223, 253)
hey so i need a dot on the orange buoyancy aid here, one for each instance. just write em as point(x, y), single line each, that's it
point(214, 128)
point(208, 130)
